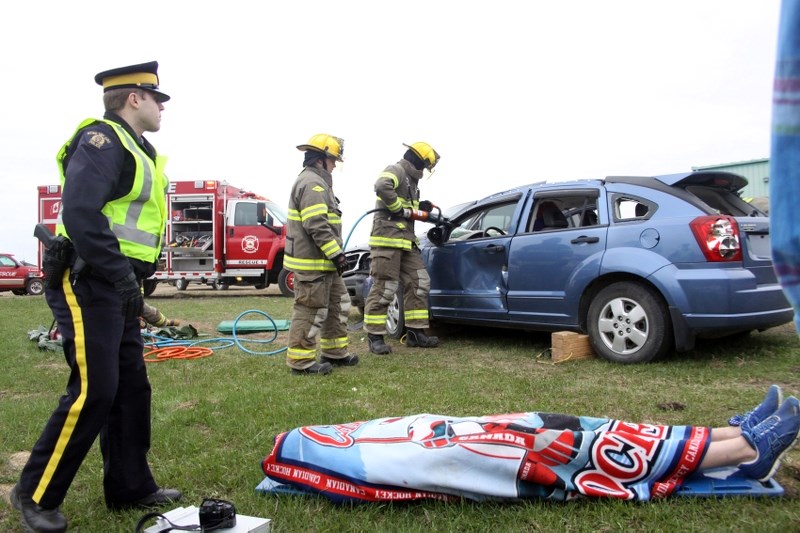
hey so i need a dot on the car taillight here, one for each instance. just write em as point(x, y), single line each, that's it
point(718, 237)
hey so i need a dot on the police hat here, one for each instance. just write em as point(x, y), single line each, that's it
point(142, 76)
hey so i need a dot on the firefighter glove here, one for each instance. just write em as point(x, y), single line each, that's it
point(130, 295)
point(426, 205)
point(341, 263)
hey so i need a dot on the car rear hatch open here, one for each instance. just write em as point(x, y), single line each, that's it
point(717, 193)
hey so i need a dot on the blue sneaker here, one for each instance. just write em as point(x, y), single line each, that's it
point(772, 438)
point(769, 405)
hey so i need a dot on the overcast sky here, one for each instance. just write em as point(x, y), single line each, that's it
point(508, 92)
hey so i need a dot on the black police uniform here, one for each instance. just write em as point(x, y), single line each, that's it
point(108, 392)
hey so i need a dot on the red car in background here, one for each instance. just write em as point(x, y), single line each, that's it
point(20, 277)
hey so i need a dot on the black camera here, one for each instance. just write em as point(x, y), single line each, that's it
point(216, 514)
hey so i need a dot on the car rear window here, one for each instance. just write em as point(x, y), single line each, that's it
point(723, 201)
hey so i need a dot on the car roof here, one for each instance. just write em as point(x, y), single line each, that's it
point(542, 185)
point(726, 180)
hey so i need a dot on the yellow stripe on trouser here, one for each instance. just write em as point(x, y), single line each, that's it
point(332, 344)
point(300, 353)
point(416, 314)
point(74, 412)
point(374, 319)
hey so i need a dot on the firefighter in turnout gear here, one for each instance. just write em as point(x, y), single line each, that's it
point(314, 253)
point(394, 252)
point(112, 216)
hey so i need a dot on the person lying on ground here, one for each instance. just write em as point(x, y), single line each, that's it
point(527, 455)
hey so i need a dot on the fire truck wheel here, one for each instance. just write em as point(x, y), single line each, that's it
point(149, 286)
point(181, 284)
point(219, 285)
point(286, 283)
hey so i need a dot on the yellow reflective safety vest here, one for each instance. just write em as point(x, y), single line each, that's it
point(138, 218)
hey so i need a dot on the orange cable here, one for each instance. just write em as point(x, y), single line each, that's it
point(158, 355)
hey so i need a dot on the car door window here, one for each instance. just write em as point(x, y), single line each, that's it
point(475, 224)
point(246, 214)
point(573, 210)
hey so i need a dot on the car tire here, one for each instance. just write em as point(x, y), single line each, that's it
point(629, 323)
point(34, 286)
point(286, 283)
point(395, 315)
point(181, 284)
point(149, 286)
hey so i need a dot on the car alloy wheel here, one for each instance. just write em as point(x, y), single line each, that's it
point(395, 315)
point(628, 323)
point(34, 286)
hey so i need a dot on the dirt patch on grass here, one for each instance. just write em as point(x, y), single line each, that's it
point(17, 460)
point(12, 466)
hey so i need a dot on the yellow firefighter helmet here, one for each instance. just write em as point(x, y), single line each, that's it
point(425, 152)
point(327, 144)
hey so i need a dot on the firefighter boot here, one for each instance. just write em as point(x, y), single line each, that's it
point(317, 368)
point(376, 344)
point(348, 360)
point(417, 337)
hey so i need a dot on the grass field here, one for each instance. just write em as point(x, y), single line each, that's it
point(214, 419)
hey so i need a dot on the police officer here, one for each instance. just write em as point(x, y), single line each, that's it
point(394, 252)
point(314, 253)
point(113, 211)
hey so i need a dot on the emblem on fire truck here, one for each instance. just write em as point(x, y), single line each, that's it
point(249, 244)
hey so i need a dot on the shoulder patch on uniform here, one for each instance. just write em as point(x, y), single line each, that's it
point(317, 188)
point(98, 139)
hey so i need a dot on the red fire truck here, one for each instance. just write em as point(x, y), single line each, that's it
point(216, 234)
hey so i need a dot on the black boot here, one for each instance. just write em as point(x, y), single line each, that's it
point(376, 344)
point(348, 360)
point(417, 337)
point(317, 368)
point(154, 499)
point(35, 518)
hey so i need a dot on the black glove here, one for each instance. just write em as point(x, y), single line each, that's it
point(426, 205)
point(130, 295)
point(341, 263)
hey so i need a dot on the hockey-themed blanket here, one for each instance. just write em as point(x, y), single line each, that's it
point(511, 456)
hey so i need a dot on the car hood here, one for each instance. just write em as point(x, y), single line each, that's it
point(726, 180)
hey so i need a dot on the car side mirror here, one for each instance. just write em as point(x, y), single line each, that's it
point(437, 235)
point(265, 219)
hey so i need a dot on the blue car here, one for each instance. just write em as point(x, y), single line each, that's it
point(643, 265)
